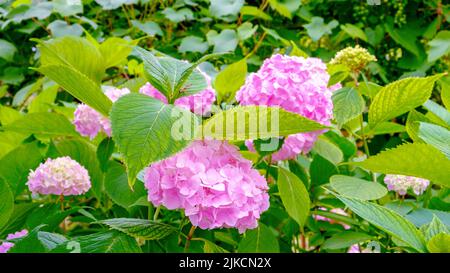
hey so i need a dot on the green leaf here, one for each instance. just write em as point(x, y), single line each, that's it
point(387, 220)
point(439, 46)
point(193, 44)
point(345, 239)
point(439, 243)
point(434, 228)
point(406, 37)
point(253, 122)
point(420, 160)
point(225, 41)
point(294, 196)
point(38, 242)
point(60, 28)
point(115, 51)
point(225, 8)
point(140, 228)
point(79, 86)
point(255, 12)
point(45, 124)
point(259, 240)
point(7, 203)
point(43, 101)
point(400, 97)
point(328, 150)
point(383, 128)
point(116, 186)
point(50, 214)
point(7, 50)
point(438, 114)
point(435, 135)
point(68, 7)
point(338, 73)
point(347, 104)
point(369, 89)
point(229, 80)
point(321, 170)
point(142, 129)
point(413, 123)
point(354, 32)
point(101, 242)
point(178, 16)
point(104, 152)
point(280, 8)
point(149, 28)
point(16, 165)
point(357, 188)
point(210, 247)
point(246, 30)
point(85, 154)
point(317, 28)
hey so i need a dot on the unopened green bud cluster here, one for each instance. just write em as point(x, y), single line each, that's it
point(355, 58)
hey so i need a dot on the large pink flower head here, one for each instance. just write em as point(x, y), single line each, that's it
point(60, 176)
point(89, 122)
point(401, 183)
point(199, 103)
point(213, 183)
point(6, 246)
point(297, 85)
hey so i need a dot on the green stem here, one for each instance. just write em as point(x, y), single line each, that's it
point(366, 147)
point(155, 216)
point(188, 238)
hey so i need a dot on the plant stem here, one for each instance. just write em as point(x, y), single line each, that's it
point(189, 237)
point(366, 147)
point(155, 216)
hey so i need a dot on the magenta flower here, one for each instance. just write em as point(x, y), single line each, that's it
point(89, 122)
point(213, 183)
point(199, 103)
point(6, 246)
point(297, 85)
point(401, 183)
point(60, 176)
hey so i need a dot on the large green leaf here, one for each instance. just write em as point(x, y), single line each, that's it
point(400, 97)
point(434, 228)
point(347, 104)
point(116, 186)
point(43, 124)
point(142, 128)
point(439, 243)
point(357, 188)
point(435, 135)
point(345, 239)
point(229, 80)
point(38, 242)
point(115, 51)
point(7, 203)
point(7, 50)
point(294, 196)
point(140, 228)
point(253, 122)
point(387, 220)
point(415, 159)
point(16, 165)
point(259, 240)
point(413, 123)
point(439, 46)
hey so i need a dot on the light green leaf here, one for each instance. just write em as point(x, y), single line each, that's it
point(345, 239)
point(357, 188)
point(439, 46)
point(210, 247)
point(149, 28)
point(414, 159)
point(225, 41)
point(255, 12)
point(193, 44)
point(253, 122)
point(44, 124)
point(229, 80)
point(60, 28)
point(142, 129)
point(43, 101)
point(354, 32)
point(437, 114)
point(294, 196)
point(7, 203)
point(178, 16)
point(400, 97)
point(140, 228)
point(412, 125)
point(439, 243)
point(115, 51)
point(328, 150)
point(317, 28)
point(225, 8)
point(347, 104)
point(383, 128)
point(246, 30)
point(7, 50)
point(280, 8)
point(68, 7)
point(387, 220)
point(435, 135)
point(259, 240)
point(434, 228)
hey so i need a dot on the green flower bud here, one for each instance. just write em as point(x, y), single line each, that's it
point(355, 58)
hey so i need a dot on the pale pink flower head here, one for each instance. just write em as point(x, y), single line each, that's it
point(298, 85)
point(331, 221)
point(60, 176)
point(6, 246)
point(89, 122)
point(354, 249)
point(401, 184)
point(213, 183)
point(199, 103)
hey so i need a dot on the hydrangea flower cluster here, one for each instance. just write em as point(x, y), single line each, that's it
point(401, 183)
point(355, 58)
point(297, 85)
point(331, 221)
point(89, 122)
point(60, 176)
point(6, 246)
point(213, 183)
point(199, 103)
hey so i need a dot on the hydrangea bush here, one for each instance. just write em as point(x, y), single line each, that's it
point(255, 138)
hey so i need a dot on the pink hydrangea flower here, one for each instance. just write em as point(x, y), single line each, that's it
point(354, 249)
point(199, 103)
point(331, 221)
point(401, 183)
point(6, 246)
point(89, 122)
point(213, 183)
point(60, 176)
point(297, 85)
